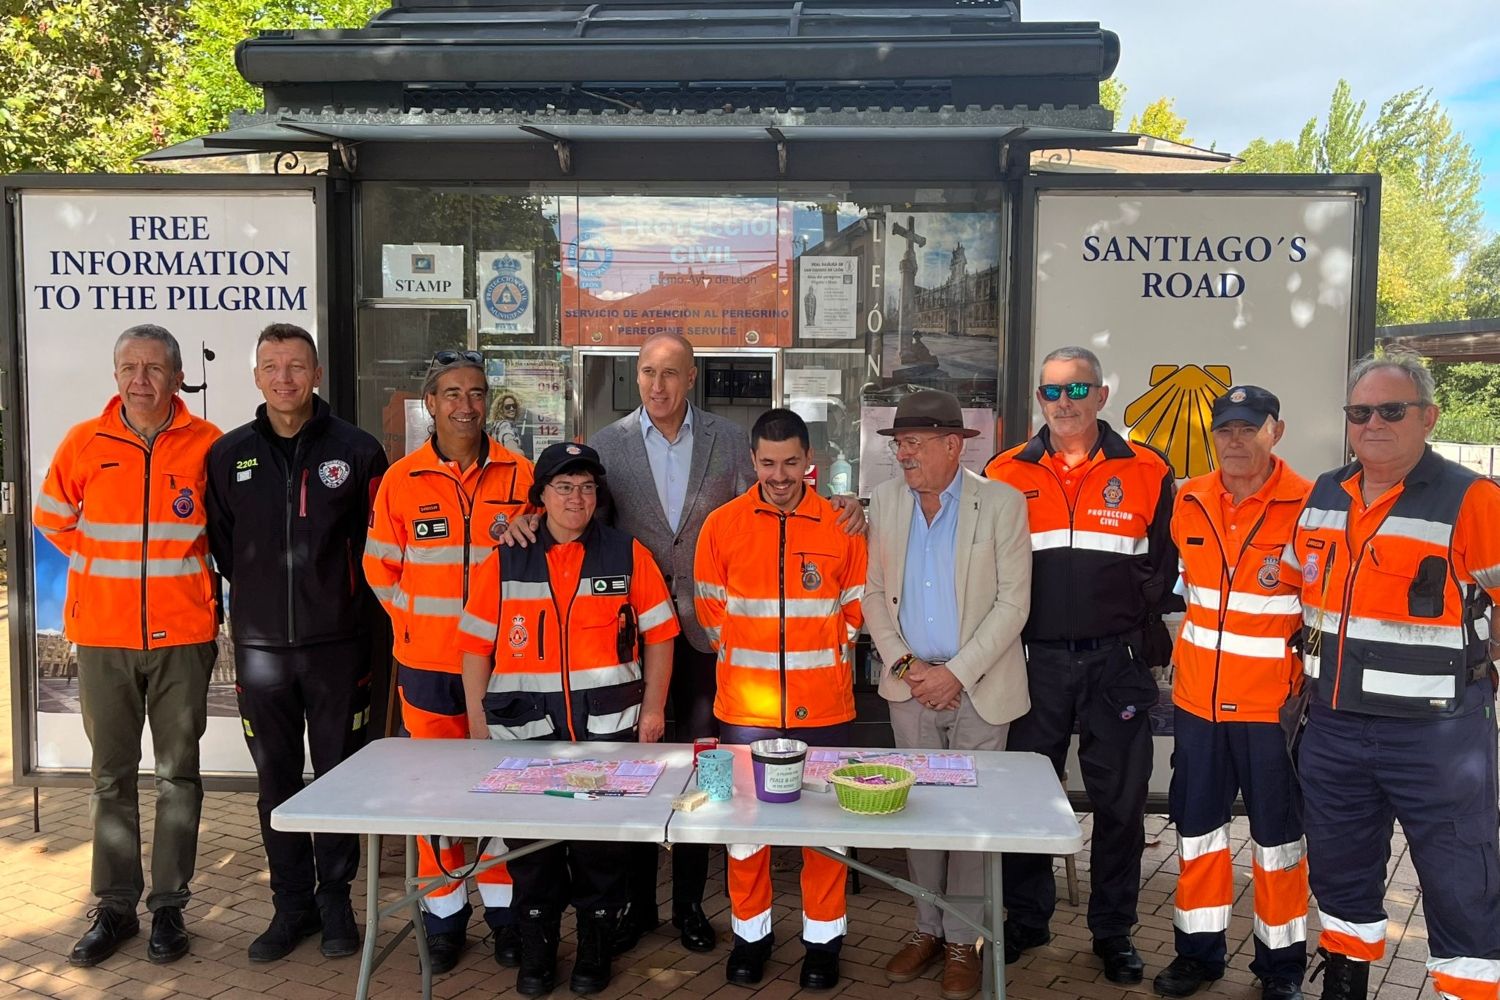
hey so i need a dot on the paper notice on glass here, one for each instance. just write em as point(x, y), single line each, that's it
point(828, 305)
point(418, 424)
point(421, 271)
point(812, 382)
point(503, 280)
point(877, 463)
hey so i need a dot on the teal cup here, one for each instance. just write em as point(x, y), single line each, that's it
point(716, 774)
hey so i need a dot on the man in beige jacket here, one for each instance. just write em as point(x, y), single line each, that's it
point(946, 595)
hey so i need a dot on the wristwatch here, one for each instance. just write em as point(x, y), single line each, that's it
point(901, 666)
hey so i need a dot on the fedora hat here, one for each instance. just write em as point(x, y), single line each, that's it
point(929, 409)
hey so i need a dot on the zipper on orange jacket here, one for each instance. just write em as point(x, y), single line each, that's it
point(1072, 507)
point(1226, 576)
point(145, 528)
point(1349, 586)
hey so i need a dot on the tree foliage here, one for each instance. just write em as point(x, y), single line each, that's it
point(1430, 210)
point(78, 82)
point(1159, 120)
point(203, 86)
point(1480, 282)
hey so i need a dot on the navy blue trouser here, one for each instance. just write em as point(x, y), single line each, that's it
point(1437, 776)
point(1212, 763)
point(1108, 692)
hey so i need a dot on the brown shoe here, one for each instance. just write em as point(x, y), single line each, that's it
point(961, 972)
point(921, 950)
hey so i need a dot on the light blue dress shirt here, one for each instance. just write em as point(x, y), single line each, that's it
point(929, 598)
point(670, 463)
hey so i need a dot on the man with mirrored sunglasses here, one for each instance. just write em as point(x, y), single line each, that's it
point(1398, 562)
point(1103, 563)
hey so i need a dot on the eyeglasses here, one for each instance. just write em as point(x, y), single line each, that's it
point(911, 442)
point(568, 489)
point(454, 357)
point(1075, 390)
point(1391, 413)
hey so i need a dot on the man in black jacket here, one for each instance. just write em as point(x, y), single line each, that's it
point(288, 506)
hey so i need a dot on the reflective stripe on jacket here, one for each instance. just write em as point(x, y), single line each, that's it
point(564, 622)
point(1396, 624)
point(430, 525)
point(132, 522)
point(1101, 566)
point(779, 596)
point(1232, 660)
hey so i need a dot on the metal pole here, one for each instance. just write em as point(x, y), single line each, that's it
point(372, 915)
point(994, 917)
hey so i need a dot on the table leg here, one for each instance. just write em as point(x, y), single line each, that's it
point(994, 918)
point(419, 928)
point(372, 915)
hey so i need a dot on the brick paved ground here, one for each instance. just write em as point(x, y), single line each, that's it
point(44, 897)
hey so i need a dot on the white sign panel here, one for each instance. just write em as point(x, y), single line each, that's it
point(421, 271)
point(877, 462)
point(214, 268)
point(505, 281)
point(1183, 294)
point(828, 302)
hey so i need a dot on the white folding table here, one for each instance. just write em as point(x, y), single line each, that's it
point(1018, 807)
point(417, 788)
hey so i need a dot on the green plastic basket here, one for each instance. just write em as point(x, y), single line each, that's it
point(872, 800)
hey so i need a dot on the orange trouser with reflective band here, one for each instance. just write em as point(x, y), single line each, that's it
point(450, 898)
point(823, 910)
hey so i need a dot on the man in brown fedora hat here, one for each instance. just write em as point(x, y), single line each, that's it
point(947, 592)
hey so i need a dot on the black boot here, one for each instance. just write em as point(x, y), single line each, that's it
point(538, 973)
point(747, 960)
point(111, 929)
point(591, 964)
point(287, 929)
point(1343, 977)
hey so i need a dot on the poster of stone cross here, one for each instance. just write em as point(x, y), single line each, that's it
point(214, 268)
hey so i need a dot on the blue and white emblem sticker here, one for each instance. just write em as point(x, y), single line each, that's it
point(183, 505)
point(506, 297)
point(334, 474)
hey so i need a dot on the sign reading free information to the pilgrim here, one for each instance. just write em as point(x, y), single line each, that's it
point(1183, 294)
point(214, 268)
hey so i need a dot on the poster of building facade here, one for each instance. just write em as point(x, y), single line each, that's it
point(505, 282)
point(942, 281)
point(214, 268)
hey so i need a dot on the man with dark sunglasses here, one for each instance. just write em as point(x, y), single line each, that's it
point(1103, 562)
point(1398, 561)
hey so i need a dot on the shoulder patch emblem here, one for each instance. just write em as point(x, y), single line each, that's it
point(1310, 568)
point(811, 578)
point(498, 526)
point(334, 473)
point(518, 634)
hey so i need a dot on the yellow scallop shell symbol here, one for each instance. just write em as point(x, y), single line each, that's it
point(1174, 415)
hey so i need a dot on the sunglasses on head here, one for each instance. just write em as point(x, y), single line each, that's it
point(1359, 413)
point(454, 357)
point(1075, 390)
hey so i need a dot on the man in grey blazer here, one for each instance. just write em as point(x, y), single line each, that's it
point(669, 464)
point(946, 596)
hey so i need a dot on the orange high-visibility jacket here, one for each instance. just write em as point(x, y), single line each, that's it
point(1396, 594)
point(132, 522)
point(564, 622)
point(1232, 660)
point(430, 525)
point(779, 596)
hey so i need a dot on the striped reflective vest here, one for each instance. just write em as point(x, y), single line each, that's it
point(779, 597)
point(430, 525)
point(131, 521)
point(564, 624)
point(1101, 565)
point(1232, 661)
point(1394, 627)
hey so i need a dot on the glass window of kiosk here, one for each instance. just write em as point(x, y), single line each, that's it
point(461, 268)
point(892, 290)
point(835, 300)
